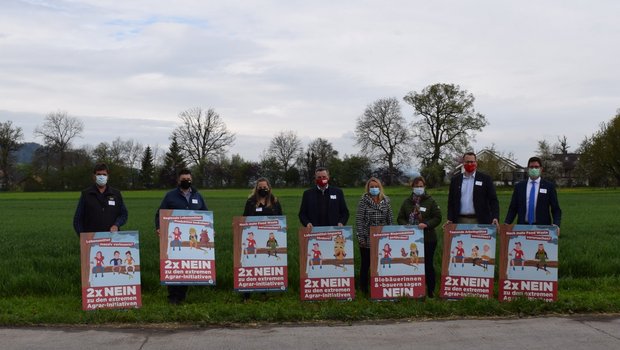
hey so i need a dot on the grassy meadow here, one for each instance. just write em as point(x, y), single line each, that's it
point(40, 281)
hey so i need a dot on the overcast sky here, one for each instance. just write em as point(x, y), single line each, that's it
point(538, 69)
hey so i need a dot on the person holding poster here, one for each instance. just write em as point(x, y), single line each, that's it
point(323, 205)
point(261, 201)
point(471, 197)
point(536, 194)
point(421, 210)
point(374, 209)
point(101, 208)
point(183, 197)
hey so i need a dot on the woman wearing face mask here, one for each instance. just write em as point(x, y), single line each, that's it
point(262, 201)
point(421, 210)
point(373, 210)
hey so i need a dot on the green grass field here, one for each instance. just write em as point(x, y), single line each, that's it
point(40, 282)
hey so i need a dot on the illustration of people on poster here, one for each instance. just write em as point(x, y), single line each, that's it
point(528, 262)
point(326, 263)
point(260, 253)
point(468, 263)
point(110, 270)
point(396, 262)
point(186, 247)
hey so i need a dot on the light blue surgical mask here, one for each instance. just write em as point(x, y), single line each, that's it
point(533, 172)
point(101, 180)
point(374, 191)
point(418, 191)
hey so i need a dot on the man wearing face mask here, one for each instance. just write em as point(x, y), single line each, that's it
point(183, 197)
point(535, 200)
point(101, 207)
point(471, 197)
point(323, 205)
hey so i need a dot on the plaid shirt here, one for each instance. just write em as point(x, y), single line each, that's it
point(369, 214)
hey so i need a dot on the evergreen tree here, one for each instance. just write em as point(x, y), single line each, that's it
point(174, 162)
point(148, 169)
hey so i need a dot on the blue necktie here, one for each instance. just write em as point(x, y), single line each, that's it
point(531, 209)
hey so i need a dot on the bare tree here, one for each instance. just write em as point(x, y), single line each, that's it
point(58, 131)
point(202, 135)
point(10, 138)
point(323, 150)
point(447, 124)
point(382, 136)
point(284, 149)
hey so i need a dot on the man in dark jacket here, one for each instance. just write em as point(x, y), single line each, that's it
point(536, 194)
point(101, 207)
point(472, 198)
point(323, 205)
point(183, 197)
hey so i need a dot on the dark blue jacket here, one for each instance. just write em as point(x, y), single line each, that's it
point(547, 205)
point(97, 212)
point(486, 204)
point(337, 211)
point(176, 200)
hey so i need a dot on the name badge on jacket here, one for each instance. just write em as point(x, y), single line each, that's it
point(111, 202)
point(259, 209)
point(543, 190)
point(478, 183)
point(422, 209)
point(332, 196)
point(194, 201)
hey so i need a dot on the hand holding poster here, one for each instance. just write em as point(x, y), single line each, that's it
point(528, 262)
point(326, 263)
point(397, 262)
point(110, 270)
point(468, 261)
point(186, 247)
point(260, 253)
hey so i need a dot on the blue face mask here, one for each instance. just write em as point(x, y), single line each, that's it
point(418, 191)
point(101, 180)
point(374, 191)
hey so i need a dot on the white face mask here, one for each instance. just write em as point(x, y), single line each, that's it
point(101, 180)
point(418, 191)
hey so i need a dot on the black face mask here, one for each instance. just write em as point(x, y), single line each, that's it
point(263, 192)
point(185, 184)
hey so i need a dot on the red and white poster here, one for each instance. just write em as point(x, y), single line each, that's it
point(326, 263)
point(528, 262)
point(260, 253)
point(110, 270)
point(468, 263)
point(396, 262)
point(186, 247)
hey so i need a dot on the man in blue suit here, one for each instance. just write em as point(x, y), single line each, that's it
point(534, 201)
point(323, 205)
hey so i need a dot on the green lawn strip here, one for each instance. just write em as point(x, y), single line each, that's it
point(40, 282)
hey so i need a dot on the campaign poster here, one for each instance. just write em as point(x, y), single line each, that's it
point(110, 270)
point(528, 262)
point(260, 253)
point(326, 263)
point(468, 265)
point(186, 247)
point(397, 262)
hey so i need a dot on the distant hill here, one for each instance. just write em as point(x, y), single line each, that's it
point(26, 152)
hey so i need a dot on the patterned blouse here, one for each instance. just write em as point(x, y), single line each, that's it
point(369, 214)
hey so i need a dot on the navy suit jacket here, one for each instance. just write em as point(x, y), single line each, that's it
point(337, 211)
point(547, 205)
point(486, 204)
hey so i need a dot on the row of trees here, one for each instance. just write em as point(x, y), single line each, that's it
point(443, 127)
